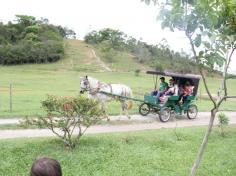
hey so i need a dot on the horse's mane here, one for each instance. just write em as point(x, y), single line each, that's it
point(96, 80)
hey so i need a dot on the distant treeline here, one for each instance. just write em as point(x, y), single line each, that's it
point(27, 40)
point(160, 56)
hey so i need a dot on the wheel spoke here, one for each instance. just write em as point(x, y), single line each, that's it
point(192, 112)
point(144, 109)
point(165, 115)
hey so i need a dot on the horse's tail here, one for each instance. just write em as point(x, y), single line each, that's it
point(130, 102)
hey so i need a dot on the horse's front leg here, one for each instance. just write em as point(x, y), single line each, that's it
point(126, 111)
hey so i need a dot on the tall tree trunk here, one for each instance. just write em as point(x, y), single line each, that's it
point(204, 143)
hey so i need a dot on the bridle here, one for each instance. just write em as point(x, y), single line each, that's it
point(86, 84)
point(93, 91)
point(88, 88)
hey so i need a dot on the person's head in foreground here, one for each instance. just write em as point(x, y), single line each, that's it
point(45, 166)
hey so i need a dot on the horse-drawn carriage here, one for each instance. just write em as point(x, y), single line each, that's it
point(150, 104)
point(172, 105)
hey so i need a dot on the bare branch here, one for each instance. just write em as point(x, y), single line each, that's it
point(60, 136)
point(226, 70)
point(230, 57)
point(84, 131)
point(224, 98)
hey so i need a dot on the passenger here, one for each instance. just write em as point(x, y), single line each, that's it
point(162, 88)
point(172, 90)
point(154, 93)
point(186, 91)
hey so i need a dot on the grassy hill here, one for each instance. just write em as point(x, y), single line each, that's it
point(31, 82)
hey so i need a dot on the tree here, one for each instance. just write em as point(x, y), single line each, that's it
point(115, 37)
point(66, 33)
point(25, 20)
point(210, 29)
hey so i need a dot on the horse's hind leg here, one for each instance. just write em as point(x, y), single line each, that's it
point(126, 112)
point(125, 109)
point(121, 109)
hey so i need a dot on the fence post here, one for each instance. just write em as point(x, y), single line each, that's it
point(10, 97)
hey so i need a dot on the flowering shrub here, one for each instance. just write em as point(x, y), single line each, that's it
point(67, 116)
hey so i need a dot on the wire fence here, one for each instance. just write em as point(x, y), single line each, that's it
point(17, 100)
point(21, 99)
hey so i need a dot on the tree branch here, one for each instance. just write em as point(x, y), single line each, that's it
point(226, 70)
point(53, 130)
point(224, 98)
point(200, 68)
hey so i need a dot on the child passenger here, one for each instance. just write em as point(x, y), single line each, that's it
point(186, 91)
point(172, 90)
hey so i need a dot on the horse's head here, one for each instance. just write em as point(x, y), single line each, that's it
point(84, 84)
point(89, 84)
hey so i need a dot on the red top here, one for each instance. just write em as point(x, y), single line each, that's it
point(187, 90)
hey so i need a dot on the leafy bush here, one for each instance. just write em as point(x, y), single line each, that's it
point(67, 116)
point(137, 72)
point(31, 41)
point(223, 122)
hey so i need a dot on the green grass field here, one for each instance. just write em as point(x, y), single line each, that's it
point(31, 83)
point(151, 152)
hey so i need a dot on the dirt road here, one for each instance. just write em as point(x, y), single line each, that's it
point(122, 124)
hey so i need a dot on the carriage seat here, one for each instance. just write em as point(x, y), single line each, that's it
point(150, 99)
point(173, 97)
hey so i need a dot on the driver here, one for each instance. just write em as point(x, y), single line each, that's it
point(162, 88)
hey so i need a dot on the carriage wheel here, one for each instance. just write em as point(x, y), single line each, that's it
point(165, 114)
point(144, 109)
point(192, 111)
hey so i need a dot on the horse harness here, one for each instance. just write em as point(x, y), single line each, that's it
point(96, 90)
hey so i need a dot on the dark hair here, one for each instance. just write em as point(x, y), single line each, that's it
point(187, 84)
point(163, 78)
point(45, 166)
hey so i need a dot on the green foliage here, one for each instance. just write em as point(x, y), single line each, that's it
point(108, 52)
point(66, 33)
point(26, 20)
point(31, 41)
point(32, 29)
point(209, 24)
point(137, 72)
point(115, 37)
point(223, 121)
point(213, 20)
point(68, 114)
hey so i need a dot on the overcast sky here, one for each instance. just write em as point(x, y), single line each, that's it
point(133, 17)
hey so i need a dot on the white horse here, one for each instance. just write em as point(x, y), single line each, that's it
point(106, 92)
